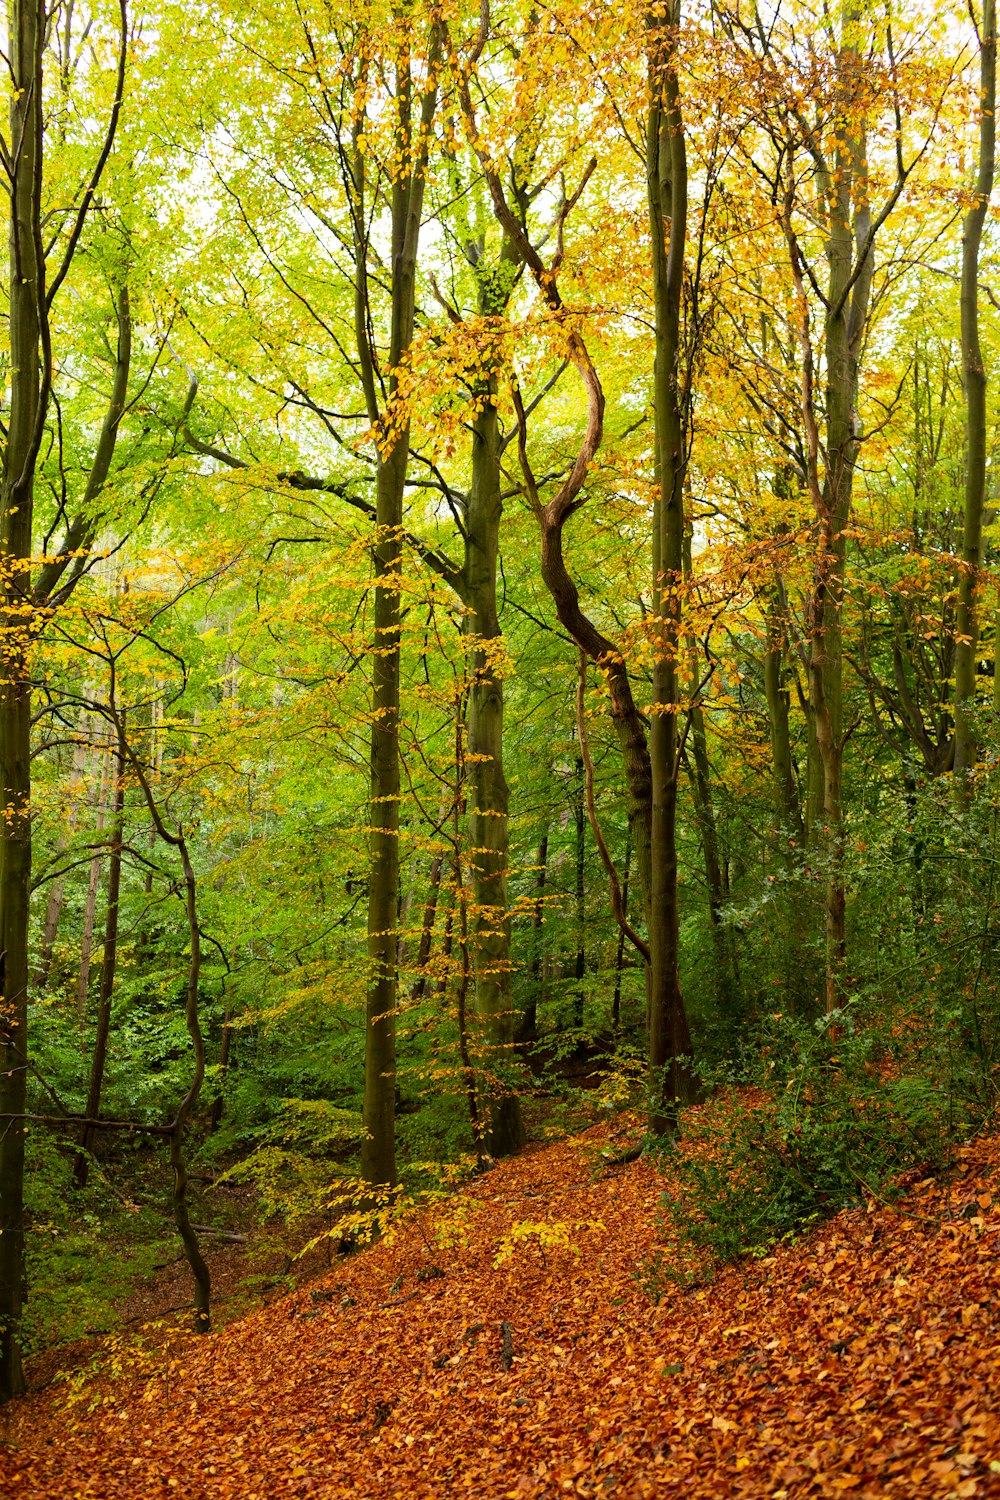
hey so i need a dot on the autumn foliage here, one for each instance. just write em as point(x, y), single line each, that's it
point(499, 630)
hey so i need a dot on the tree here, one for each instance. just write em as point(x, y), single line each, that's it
point(479, 518)
point(38, 266)
point(667, 193)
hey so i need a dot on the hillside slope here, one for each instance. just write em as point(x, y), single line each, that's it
point(864, 1360)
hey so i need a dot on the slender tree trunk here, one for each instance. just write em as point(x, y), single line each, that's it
point(461, 1010)
point(826, 672)
point(427, 929)
point(100, 1053)
point(849, 251)
point(795, 919)
point(652, 795)
point(813, 826)
point(527, 1030)
point(447, 944)
point(974, 380)
point(502, 1126)
point(784, 792)
point(90, 903)
point(378, 1150)
point(178, 1128)
point(404, 906)
point(26, 293)
point(145, 945)
point(670, 1039)
point(616, 999)
point(727, 975)
point(580, 894)
point(182, 1216)
point(30, 374)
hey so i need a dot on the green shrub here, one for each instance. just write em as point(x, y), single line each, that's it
point(840, 1108)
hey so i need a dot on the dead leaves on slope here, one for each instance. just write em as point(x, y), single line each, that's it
point(864, 1361)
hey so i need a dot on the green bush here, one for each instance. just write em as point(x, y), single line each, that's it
point(840, 1108)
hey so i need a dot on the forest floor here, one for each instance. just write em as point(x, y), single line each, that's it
point(520, 1339)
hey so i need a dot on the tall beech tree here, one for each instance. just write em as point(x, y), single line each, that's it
point(667, 195)
point(479, 514)
point(43, 241)
point(414, 100)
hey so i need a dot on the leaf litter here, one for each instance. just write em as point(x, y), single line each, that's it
point(507, 1344)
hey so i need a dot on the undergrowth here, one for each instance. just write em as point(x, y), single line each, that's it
point(829, 1112)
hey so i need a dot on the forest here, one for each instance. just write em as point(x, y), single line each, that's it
point(498, 648)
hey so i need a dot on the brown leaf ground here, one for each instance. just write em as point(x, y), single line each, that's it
point(862, 1361)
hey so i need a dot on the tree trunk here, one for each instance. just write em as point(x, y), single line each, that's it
point(90, 904)
point(378, 1152)
point(100, 1053)
point(845, 323)
point(670, 1039)
point(144, 946)
point(651, 807)
point(850, 257)
point(727, 976)
point(378, 1149)
point(616, 999)
point(527, 1030)
point(404, 905)
point(26, 293)
point(178, 1127)
point(812, 827)
point(796, 918)
point(501, 1123)
point(461, 1010)
point(784, 791)
point(30, 375)
point(974, 380)
point(182, 1217)
point(580, 893)
point(427, 930)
